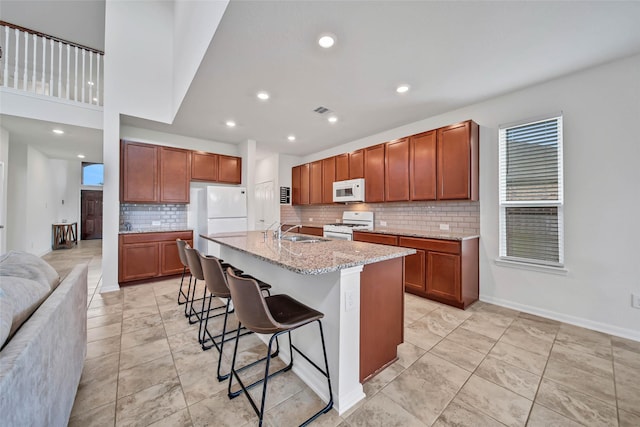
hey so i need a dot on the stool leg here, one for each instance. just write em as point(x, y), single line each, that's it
point(186, 305)
point(180, 291)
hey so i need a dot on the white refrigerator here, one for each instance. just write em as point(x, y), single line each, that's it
point(220, 210)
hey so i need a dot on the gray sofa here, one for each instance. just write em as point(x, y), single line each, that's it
point(43, 340)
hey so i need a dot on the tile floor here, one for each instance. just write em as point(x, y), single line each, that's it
point(486, 366)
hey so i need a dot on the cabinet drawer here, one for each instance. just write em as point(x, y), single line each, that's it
point(446, 246)
point(383, 239)
point(314, 231)
point(155, 237)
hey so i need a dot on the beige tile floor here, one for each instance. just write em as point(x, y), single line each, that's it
point(486, 366)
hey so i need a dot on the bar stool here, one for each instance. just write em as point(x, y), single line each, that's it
point(183, 259)
point(215, 278)
point(193, 262)
point(276, 315)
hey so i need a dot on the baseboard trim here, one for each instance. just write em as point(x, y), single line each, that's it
point(572, 320)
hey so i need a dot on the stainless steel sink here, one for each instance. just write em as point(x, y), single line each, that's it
point(304, 239)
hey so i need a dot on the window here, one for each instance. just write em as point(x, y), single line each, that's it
point(531, 192)
point(92, 173)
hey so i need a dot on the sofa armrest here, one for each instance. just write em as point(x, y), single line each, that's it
point(40, 366)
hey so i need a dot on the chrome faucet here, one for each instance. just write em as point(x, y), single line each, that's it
point(278, 233)
point(266, 231)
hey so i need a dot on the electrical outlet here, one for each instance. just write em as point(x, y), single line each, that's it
point(156, 223)
point(383, 223)
point(635, 300)
point(310, 219)
point(349, 301)
point(444, 227)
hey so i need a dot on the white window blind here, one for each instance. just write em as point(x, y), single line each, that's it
point(531, 192)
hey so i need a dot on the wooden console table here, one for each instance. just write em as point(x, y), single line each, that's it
point(65, 234)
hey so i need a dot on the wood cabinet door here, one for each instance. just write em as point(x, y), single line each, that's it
point(443, 276)
point(139, 261)
point(169, 258)
point(328, 177)
point(396, 171)
point(454, 162)
point(356, 164)
point(374, 173)
point(229, 169)
point(313, 231)
point(415, 272)
point(304, 184)
point(342, 167)
point(204, 166)
point(295, 185)
point(422, 166)
point(315, 182)
point(139, 173)
point(175, 168)
point(382, 239)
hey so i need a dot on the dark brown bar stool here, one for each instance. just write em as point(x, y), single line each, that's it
point(276, 315)
point(215, 279)
point(195, 315)
point(183, 259)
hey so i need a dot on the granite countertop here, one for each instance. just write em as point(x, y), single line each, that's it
point(153, 230)
point(425, 234)
point(309, 258)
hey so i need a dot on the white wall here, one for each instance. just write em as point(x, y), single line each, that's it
point(194, 24)
point(160, 138)
point(16, 197)
point(66, 178)
point(601, 108)
point(41, 209)
point(4, 159)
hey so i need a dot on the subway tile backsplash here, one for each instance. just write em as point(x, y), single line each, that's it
point(142, 217)
point(462, 217)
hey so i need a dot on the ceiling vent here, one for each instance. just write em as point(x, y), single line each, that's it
point(321, 110)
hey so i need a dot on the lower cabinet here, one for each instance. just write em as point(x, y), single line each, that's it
point(442, 270)
point(314, 231)
point(148, 255)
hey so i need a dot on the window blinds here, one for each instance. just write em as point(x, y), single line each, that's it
point(531, 191)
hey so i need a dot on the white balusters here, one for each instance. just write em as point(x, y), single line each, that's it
point(75, 76)
point(51, 70)
point(91, 82)
point(35, 63)
point(17, 55)
point(44, 63)
point(25, 79)
point(84, 82)
point(68, 58)
point(98, 82)
point(6, 57)
point(59, 70)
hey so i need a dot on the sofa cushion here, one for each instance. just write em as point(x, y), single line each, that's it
point(6, 317)
point(24, 296)
point(28, 266)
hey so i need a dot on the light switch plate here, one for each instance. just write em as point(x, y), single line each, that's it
point(444, 227)
point(156, 223)
point(383, 223)
point(349, 301)
point(635, 300)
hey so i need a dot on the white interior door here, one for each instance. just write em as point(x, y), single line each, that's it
point(265, 205)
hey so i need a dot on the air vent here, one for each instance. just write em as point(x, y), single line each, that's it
point(321, 110)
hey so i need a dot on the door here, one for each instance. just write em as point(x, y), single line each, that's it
point(265, 205)
point(374, 173)
point(396, 170)
point(175, 173)
point(454, 162)
point(139, 173)
point(315, 183)
point(91, 214)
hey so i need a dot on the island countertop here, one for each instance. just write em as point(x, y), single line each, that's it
point(309, 258)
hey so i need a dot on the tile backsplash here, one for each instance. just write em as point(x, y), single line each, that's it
point(462, 217)
point(143, 217)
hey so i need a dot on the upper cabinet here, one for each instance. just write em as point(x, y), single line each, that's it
point(458, 162)
point(153, 174)
point(175, 168)
point(229, 169)
point(342, 167)
point(422, 166)
point(356, 164)
point(440, 164)
point(139, 173)
point(204, 166)
point(396, 171)
point(158, 174)
point(374, 173)
point(328, 177)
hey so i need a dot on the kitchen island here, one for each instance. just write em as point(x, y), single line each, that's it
point(359, 288)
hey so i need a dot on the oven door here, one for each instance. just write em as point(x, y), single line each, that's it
point(335, 235)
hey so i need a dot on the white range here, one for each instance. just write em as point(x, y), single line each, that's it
point(351, 220)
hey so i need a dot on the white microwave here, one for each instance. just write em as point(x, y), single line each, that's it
point(351, 190)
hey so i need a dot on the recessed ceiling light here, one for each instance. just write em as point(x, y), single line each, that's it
point(291, 138)
point(58, 131)
point(90, 83)
point(95, 99)
point(326, 40)
point(262, 95)
point(230, 123)
point(81, 156)
point(332, 119)
point(403, 88)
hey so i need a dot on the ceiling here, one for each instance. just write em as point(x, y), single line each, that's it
point(451, 54)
